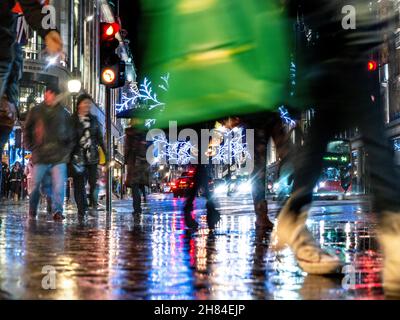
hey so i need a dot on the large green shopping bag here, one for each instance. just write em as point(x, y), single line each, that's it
point(216, 57)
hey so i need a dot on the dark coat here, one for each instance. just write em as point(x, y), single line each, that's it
point(49, 135)
point(96, 136)
point(135, 157)
point(33, 14)
point(15, 180)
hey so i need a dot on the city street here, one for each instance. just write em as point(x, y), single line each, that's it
point(154, 257)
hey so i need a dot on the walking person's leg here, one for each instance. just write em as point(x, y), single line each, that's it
point(191, 196)
point(58, 178)
point(143, 189)
point(258, 178)
point(213, 215)
point(38, 173)
point(5, 70)
point(291, 224)
point(136, 198)
point(385, 189)
point(80, 193)
point(92, 174)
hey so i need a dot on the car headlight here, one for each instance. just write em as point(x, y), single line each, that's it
point(245, 187)
point(223, 188)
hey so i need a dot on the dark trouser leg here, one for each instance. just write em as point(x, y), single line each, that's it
point(143, 190)
point(5, 69)
point(92, 179)
point(136, 197)
point(385, 180)
point(309, 163)
point(80, 193)
point(4, 133)
point(12, 88)
point(193, 191)
point(259, 173)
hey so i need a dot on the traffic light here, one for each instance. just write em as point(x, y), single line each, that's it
point(372, 84)
point(112, 69)
point(372, 65)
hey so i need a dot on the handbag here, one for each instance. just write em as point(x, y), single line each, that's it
point(102, 156)
point(240, 68)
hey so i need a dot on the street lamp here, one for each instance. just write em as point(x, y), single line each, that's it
point(74, 87)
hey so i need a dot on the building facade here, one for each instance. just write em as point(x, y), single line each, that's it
point(388, 58)
point(78, 22)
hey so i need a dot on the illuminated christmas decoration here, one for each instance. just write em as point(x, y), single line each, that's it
point(396, 145)
point(179, 152)
point(146, 93)
point(149, 123)
point(133, 95)
point(285, 116)
point(130, 97)
point(232, 149)
point(165, 85)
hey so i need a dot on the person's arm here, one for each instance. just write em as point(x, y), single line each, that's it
point(28, 130)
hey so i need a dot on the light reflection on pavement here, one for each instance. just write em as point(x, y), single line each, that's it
point(154, 257)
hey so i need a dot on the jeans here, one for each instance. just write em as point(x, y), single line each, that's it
point(10, 74)
point(89, 175)
point(58, 178)
point(334, 114)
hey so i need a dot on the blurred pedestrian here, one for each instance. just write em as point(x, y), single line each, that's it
point(15, 180)
point(29, 173)
point(352, 103)
point(85, 156)
point(11, 58)
point(135, 149)
point(4, 186)
point(49, 135)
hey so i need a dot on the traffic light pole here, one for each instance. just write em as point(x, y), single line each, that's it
point(108, 152)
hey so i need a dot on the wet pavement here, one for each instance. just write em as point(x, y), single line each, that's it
point(154, 257)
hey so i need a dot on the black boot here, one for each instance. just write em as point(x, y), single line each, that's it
point(213, 215)
point(32, 213)
point(189, 221)
point(48, 207)
point(262, 219)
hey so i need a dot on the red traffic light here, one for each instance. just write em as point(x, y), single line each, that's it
point(109, 30)
point(372, 65)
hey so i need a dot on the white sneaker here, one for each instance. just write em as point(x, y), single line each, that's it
point(290, 229)
point(389, 239)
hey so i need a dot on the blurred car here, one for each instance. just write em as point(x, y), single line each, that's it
point(166, 187)
point(240, 185)
point(220, 187)
point(181, 186)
